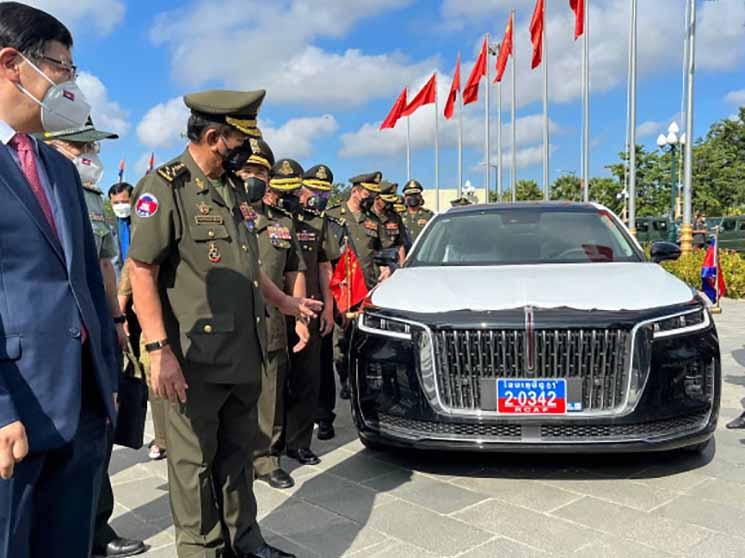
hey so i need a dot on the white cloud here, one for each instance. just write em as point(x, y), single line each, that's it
point(101, 15)
point(107, 115)
point(295, 139)
point(648, 129)
point(163, 124)
point(736, 97)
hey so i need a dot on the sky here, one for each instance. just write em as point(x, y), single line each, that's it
point(333, 69)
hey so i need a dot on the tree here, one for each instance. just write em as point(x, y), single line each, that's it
point(339, 193)
point(528, 190)
point(567, 188)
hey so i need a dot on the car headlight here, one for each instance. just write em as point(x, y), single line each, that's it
point(381, 325)
point(693, 320)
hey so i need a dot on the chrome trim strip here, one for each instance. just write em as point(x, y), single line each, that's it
point(382, 332)
point(683, 330)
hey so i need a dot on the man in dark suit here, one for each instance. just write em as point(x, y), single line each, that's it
point(58, 372)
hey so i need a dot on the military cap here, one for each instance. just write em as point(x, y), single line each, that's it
point(388, 191)
point(238, 109)
point(460, 201)
point(369, 181)
point(84, 134)
point(399, 206)
point(413, 188)
point(319, 177)
point(287, 175)
point(261, 153)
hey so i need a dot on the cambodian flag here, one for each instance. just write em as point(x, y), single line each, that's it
point(712, 279)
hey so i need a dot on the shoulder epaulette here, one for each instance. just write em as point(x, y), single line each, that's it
point(338, 220)
point(313, 212)
point(92, 188)
point(170, 171)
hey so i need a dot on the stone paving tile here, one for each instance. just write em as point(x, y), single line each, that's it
point(659, 476)
point(339, 538)
point(666, 534)
point(148, 497)
point(426, 529)
point(722, 491)
point(444, 498)
point(359, 468)
point(542, 531)
point(712, 515)
point(718, 545)
point(393, 549)
point(347, 499)
point(520, 492)
point(614, 547)
point(504, 547)
point(628, 494)
point(278, 541)
point(295, 517)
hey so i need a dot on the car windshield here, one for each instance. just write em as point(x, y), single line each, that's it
point(532, 235)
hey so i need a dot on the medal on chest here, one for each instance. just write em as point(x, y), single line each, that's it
point(214, 253)
point(249, 215)
point(279, 236)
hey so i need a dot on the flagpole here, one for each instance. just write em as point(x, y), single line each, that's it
point(500, 187)
point(544, 54)
point(460, 144)
point(586, 104)
point(632, 120)
point(514, 128)
point(408, 147)
point(686, 231)
point(487, 129)
point(437, 155)
point(628, 119)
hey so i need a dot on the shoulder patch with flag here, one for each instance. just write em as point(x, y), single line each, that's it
point(146, 206)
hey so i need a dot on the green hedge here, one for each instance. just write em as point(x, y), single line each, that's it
point(688, 269)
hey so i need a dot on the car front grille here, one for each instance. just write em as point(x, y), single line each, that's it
point(600, 358)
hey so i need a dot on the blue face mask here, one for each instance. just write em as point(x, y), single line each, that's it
point(319, 201)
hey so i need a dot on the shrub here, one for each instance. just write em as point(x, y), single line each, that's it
point(688, 269)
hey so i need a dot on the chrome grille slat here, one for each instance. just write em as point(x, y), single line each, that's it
point(598, 357)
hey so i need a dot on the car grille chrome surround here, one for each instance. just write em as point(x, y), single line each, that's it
point(600, 358)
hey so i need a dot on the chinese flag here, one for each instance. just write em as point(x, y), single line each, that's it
point(348, 282)
point(426, 96)
point(471, 90)
point(396, 112)
point(536, 33)
point(578, 6)
point(505, 50)
point(454, 88)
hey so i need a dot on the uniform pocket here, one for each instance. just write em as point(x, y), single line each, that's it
point(210, 339)
point(205, 233)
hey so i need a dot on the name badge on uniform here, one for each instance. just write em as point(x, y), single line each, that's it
point(306, 236)
point(208, 220)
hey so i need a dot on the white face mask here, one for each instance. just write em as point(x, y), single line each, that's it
point(122, 210)
point(63, 107)
point(90, 167)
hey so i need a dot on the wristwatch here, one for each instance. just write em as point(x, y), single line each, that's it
point(120, 319)
point(156, 345)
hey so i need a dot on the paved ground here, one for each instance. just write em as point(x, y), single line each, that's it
point(364, 504)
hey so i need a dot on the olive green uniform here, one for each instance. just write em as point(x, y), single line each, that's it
point(196, 231)
point(279, 254)
point(105, 243)
point(393, 229)
point(416, 221)
point(305, 377)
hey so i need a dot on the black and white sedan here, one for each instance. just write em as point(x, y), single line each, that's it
point(536, 326)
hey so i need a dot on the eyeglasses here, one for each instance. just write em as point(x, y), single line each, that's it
point(69, 68)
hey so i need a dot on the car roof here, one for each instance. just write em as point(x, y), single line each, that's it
point(574, 206)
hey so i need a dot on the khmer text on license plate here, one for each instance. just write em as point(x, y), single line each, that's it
point(532, 397)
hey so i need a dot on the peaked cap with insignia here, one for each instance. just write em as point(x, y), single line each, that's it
point(237, 109)
point(369, 181)
point(412, 188)
point(287, 175)
point(261, 153)
point(319, 177)
point(388, 191)
point(83, 134)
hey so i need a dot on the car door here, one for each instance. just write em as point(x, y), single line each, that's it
point(728, 233)
point(739, 243)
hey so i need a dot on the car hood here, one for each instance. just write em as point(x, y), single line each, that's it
point(596, 286)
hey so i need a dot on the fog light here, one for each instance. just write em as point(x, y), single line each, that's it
point(698, 381)
point(374, 376)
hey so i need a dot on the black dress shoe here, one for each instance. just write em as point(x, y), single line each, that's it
point(345, 392)
point(304, 456)
point(279, 478)
point(267, 551)
point(119, 548)
point(326, 431)
point(738, 423)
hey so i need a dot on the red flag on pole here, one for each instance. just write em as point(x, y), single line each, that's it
point(536, 33)
point(578, 6)
point(150, 163)
point(121, 171)
point(471, 90)
point(396, 112)
point(454, 88)
point(426, 96)
point(348, 282)
point(505, 50)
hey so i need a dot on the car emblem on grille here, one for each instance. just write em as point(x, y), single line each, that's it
point(529, 340)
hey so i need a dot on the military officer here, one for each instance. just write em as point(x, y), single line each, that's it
point(282, 261)
point(319, 249)
point(416, 216)
point(400, 205)
point(396, 236)
point(364, 232)
point(200, 295)
point(81, 146)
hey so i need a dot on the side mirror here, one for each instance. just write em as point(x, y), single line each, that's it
point(664, 251)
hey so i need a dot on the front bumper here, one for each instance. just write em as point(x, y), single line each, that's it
point(391, 408)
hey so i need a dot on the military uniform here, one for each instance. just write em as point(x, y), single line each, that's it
point(196, 229)
point(415, 219)
point(395, 232)
point(305, 378)
point(280, 254)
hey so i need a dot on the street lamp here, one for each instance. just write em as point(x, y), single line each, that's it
point(672, 140)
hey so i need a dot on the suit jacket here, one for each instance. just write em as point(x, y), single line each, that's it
point(49, 288)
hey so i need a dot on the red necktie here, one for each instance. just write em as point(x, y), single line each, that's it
point(24, 146)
